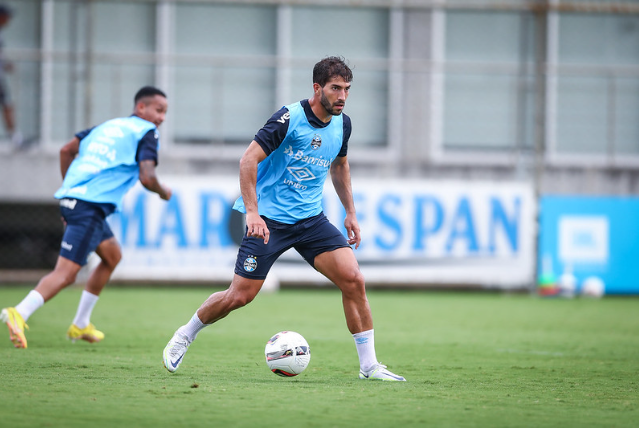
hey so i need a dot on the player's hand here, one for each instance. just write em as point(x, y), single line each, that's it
point(352, 230)
point(256, 227)
point(166, 195)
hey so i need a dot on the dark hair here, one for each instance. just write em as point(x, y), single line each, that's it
point(147, 91)
point(6, 10)
point(330, 67)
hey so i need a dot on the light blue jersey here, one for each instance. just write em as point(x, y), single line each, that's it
point(290, 181)
point(106, 166)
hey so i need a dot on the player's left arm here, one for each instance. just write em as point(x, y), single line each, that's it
point(150, 181)
point(68, 152)
point(147, 158)
point(341, 177)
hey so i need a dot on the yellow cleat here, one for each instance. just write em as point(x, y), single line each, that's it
point(89, 333)
point(16, 325)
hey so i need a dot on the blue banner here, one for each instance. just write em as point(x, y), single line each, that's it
point(591, 239)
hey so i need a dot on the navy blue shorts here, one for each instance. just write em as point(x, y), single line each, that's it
point(86, 228)
point(309, 237)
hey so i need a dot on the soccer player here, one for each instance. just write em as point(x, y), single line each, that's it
point(8, 113)
point(99, 165)
point(282, 175)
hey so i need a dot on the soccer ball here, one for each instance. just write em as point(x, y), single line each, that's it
point(593, 287)
point(287, 353)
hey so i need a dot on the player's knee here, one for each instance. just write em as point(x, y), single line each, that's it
point(354, 283)
point(112, 259)
point(239, 300)
point(357, 278)
point(67, 278)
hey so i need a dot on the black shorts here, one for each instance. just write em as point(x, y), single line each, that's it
point(4, 90)
point(86, 228)
point(309, 237)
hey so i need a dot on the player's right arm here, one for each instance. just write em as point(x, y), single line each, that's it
point(68, 152)
point(256, 227)
point(267, 140)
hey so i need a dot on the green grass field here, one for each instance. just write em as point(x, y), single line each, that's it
point(471, 359)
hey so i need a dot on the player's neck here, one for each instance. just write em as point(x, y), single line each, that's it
point(319, 110)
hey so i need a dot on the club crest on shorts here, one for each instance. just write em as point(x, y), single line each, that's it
point(250, 264)
point(316, 142)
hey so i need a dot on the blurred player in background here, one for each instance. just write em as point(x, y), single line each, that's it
point(8, 113)
point(99, 166)
point(282, 175)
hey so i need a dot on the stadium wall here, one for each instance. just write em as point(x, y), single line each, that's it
point(482, 91)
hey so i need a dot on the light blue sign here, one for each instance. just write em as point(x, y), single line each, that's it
point(591, 237)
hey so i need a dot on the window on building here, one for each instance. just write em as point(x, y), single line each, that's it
point(224, 70)
point(488, 89)
point(366, 30)
point(97, 68)
point(22, 38)
point(598, 84)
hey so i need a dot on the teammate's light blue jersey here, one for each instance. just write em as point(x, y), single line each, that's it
point(106, 167)
point(290, 181)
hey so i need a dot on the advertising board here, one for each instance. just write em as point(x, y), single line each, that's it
point(413, 233)
point(590, 239)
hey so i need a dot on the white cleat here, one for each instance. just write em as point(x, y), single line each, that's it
point(174, 351)
point(380, 372)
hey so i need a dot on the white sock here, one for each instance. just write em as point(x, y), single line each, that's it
point(85, 307)
point(192, 328)
point(30, 304)
point(16, 138)
point(365, 344)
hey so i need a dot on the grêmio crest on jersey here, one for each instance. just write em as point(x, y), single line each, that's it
point(316, 142)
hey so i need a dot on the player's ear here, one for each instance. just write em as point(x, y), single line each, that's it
point(139, 107)
point(316, 88)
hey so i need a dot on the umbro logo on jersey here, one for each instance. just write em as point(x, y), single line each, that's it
point(301, 174)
